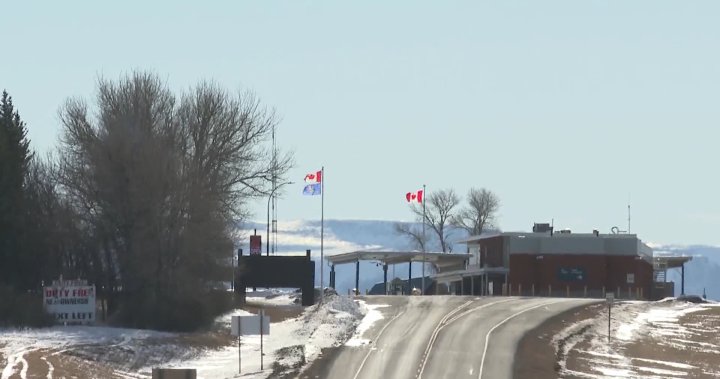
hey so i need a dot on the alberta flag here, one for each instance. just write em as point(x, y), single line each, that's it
point(312, 189)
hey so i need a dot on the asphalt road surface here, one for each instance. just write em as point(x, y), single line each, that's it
point(437, 337)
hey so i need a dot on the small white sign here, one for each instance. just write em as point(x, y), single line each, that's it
point(610, 297)
point(630, 278)
point(249, 325)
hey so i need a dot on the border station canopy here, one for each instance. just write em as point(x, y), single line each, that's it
point(670, 261)
point(439, 260)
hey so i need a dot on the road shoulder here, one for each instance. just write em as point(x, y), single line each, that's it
point(535, 356)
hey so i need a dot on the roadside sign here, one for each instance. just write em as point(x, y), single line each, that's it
point(571, 274)
point(610, 298)
point(70, 301)
point(255, 245)
point(249, 325)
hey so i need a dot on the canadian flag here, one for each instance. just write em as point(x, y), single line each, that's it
point(414, 196)
point(314, 177)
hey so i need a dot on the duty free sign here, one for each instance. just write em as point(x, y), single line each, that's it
point(70, 304)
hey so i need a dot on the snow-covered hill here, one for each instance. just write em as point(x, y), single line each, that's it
point(341, 236)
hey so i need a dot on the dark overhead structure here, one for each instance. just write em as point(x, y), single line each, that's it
point(440, 261)
point(276, 271)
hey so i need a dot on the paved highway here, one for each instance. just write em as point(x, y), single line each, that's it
point(436, 337)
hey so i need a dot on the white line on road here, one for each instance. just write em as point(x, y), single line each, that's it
point(375, 342)
point(449, 318)
point(487, 336)
point(467, 312)
point(436, 331)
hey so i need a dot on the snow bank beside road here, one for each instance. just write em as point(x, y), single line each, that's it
point(291, 344)
point(372, 315)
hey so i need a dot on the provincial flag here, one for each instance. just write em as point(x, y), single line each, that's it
point(314, 177)
point(312, 189)
point(414, 196)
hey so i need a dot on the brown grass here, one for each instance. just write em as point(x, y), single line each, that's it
point(704, 327)
point(536, 356)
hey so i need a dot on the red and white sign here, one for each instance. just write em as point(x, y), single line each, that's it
point(70, 303)
point(255, 245)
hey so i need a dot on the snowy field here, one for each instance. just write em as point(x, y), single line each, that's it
point(665, 339)
point(87, 351)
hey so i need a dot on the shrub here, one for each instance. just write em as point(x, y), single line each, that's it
point(172, 312)
point(22, 309)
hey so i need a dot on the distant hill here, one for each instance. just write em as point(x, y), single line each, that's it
point(342, 236)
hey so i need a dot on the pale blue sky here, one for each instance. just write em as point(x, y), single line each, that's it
point(563, 108)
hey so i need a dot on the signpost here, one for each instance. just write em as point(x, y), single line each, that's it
point(610, 299)
point(248, 326)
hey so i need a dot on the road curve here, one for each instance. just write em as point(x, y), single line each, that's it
point(442, 337)
point(482, 344)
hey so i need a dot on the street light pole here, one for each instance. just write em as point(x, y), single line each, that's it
point(422, 281)
point(267, 242)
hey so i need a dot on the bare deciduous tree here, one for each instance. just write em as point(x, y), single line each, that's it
point(159, 184)
point(480, 212)
point(439, 208)
point(413, 233)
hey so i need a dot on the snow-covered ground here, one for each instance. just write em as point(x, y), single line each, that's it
point(17, 344)
point(290, 344)
point(272, 297)
point(372, 315)
point(298, 341)
point(639, 332)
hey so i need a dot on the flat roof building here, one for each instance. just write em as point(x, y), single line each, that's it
point(562, 263)
point(543, 262)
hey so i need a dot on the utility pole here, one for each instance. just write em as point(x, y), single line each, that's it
point(422, 281)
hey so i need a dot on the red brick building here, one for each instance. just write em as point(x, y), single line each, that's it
point(547, 263)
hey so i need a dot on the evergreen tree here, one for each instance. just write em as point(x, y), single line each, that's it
point(15, 157)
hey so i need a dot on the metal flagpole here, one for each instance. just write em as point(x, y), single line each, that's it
point(322, 227)
point(272, 195)
point(422, 291)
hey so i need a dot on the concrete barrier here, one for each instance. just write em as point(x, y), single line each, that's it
point(174, 373)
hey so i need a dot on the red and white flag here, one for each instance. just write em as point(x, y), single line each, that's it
point(313, 177)
point(414, 196)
